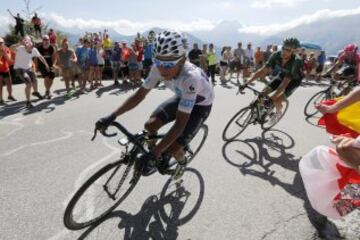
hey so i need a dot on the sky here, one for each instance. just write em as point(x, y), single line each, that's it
point(129, 17)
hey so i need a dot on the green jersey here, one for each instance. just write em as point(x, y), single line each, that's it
point(293, 69)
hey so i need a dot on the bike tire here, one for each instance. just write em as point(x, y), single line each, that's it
point(247, 112)
point(193, 149)
point(315, 99)
point(264, 120)
point(69, 220)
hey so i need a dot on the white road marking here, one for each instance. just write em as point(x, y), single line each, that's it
point(39, 120)
point(67, 135)
point(18, 127)
point(84, 175)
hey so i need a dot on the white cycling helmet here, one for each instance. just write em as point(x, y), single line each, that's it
point(170, 44)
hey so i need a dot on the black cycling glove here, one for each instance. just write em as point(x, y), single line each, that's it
point(103, 123)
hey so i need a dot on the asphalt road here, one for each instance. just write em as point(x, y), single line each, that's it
point(246, 189)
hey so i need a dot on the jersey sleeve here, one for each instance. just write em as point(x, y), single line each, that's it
point(188, 96)
point(271, 62)
point(153, 78)
point(296, 70)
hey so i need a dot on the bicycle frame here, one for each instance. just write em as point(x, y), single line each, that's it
point(257, 104)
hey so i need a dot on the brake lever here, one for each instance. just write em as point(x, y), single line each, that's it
point(103, 133)
point(240, 90)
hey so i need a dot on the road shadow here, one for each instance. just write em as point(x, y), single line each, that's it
point(100, 91)
point(257, 156)
point(161, 215)
point(123, 88)
point(44, 105)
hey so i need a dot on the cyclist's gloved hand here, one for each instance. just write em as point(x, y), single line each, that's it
point(103, 123)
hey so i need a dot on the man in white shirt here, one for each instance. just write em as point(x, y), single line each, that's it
point(249, 59)
point(24, 68)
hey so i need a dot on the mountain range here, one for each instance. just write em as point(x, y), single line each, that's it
point(332, 34)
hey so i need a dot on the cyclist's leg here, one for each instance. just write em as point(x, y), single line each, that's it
point(290, 89)
point(272, 86)
point(162, 115)
point(198, 116)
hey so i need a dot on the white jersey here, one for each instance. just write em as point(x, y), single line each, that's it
point(192, 86)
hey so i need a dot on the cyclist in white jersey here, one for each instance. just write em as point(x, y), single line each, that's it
point(189, 107)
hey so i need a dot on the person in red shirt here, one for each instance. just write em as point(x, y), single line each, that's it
point(53, 38)
point(36, 21)
point(125, 57)
point(5, 59)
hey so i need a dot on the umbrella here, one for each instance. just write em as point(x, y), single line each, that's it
point(309, 45)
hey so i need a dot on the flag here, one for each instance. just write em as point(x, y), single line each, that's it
point(346, 121)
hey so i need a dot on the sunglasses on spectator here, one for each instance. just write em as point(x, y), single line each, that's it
point(166, 64)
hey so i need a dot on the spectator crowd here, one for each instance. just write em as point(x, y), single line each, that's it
point(128, 62)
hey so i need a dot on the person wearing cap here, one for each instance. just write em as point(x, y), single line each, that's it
point(5, 78)
point(24, 68)
point(47, 51)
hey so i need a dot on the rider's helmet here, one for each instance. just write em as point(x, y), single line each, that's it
point(350, 48)
point(170, 44)
point(291, 43)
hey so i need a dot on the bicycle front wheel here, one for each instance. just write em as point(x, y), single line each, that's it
point(310, 109)
point(237, 124)
point(99, 195)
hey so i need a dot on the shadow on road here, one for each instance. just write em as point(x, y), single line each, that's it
point(160, 215)
point(256, 156)
point(39, 105)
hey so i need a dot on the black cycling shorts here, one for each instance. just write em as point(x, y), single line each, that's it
point(346, 70)
point(293, 84)
point(166, 112)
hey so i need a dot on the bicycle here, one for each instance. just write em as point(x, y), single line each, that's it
point(334, 89)
point(260, 110)
point(110, 179)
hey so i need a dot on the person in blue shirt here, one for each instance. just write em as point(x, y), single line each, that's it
point(320, 64)
point(115, 58)
point(148, 55)
point(82, 54)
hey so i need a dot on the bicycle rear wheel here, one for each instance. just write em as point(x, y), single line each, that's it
point(266, 122)
point(196, 143)
point(99, 195)
point(310, 109)
point(237, 124)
